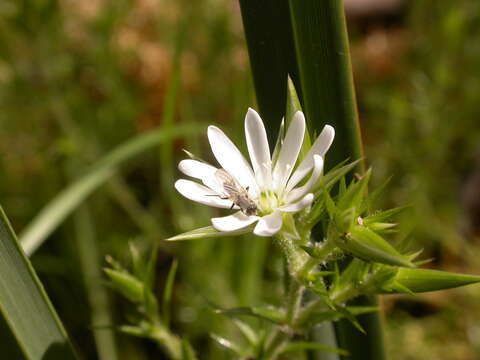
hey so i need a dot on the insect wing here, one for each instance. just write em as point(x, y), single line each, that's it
point(227, 182)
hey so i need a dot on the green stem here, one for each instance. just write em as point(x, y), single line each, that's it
point(294, 301)
point(295, 256)
point(167, 341)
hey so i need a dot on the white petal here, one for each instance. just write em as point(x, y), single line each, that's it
point(299, 192)
point(289, 151)
point(231, 159)
point(233, 222)
point(300, 205)
point(269, 225)
point(202, 171)
point(319, 147)
point(199, 193)
point(258, 148)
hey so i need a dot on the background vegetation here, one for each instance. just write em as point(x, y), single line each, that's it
point(79, 78)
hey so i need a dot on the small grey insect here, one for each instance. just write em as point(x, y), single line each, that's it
point(236, 193)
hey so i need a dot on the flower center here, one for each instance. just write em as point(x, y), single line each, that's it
point(267, 202)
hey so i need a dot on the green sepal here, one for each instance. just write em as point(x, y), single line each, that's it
point(354, 273)
point(269, 313)
point(383, 216)
point(129, 286)
point(396, 287)
point(355, 193)
point(126, 284)
point(369, 246)
point(293, 105)
point(333, 176)
point(206, 233)
point(302, 346)
point(424, 280)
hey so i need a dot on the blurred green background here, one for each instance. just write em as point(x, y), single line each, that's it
point(78, 78)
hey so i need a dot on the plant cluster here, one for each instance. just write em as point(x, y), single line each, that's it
point(277, 198)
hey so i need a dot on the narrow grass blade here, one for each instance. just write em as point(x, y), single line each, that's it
point(272, 56)
point(167, 293)
point(101, 317)
point(55, 212)
point(321, 44)
point(25, 309)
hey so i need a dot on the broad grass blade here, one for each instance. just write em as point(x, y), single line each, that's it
point(28, 320)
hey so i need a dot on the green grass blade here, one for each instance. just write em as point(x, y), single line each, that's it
point(272, 56)
point(25, 310)
point(167, 293)
point(101, 317)
point(53, 214)
point(321, 45)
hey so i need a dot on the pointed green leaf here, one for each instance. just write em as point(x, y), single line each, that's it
point(396, 287)
point(423, 280)
point(333, 176)
point(353, 273)
point(269, 313)
point(319, 316)
point(330, 205)
point(149, 300)
point(342, 187)
point(126, 284)
point(247, 332)
point(206, 233)
point(230, 345)
point(351, 317)
point(369, 246)
point(355, 193)
point(187, 351)
point(384, 215)
point(167, 292)
point(302, 346)
point(374, 195)
point(293, 105)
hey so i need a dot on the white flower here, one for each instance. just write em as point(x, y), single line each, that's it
point(271, 186)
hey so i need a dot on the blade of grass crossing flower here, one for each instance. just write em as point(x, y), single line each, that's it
point(321, 45)
point(26, 313)
point(272, 57)
point(57, 210)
